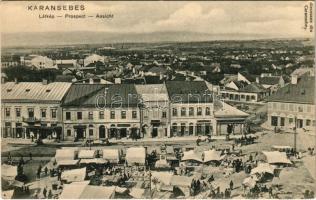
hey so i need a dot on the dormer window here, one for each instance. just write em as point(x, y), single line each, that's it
point(9, 90)
point(27, 90)
point(48, 90)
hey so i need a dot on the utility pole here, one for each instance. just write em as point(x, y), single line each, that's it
point(295, 133)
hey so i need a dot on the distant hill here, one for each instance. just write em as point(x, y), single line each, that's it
point(69, 38)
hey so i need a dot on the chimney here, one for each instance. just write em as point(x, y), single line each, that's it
point(294, 79)
point(44, 82)
point(257, 80)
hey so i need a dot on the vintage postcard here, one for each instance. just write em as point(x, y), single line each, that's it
point(158, 100)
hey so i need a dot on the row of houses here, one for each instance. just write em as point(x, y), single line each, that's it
point(246, 88)
point(72, 111)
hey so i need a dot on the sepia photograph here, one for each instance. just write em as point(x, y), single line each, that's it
point(158, 100)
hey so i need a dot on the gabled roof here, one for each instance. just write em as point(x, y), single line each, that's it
point(253, 88)
point(302, 92)
point(240, 84)
point(33, 91)
point(249, 77)
point(89, 95)
point(224, 110)
point(79, 93)
point(188, 92)
point(153, 92)
point(269, 80)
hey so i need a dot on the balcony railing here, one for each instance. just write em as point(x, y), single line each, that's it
point(30, 119)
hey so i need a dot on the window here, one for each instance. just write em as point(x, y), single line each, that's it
point(7, 112)
point(308, 109)
point(174, 112)
point(112, 115)
point(123, 114)
point(134, 114)
point(308, 122)
point(90, 115)
point(253, 97)
point(90, 132)
point(43, 113)
point(199, 111)
point(54, 113)
point(18, 112)
point(291, 120)
point(31, 112)
point(191, 111)
point(183, 112)
point(68, 115)
point(207, 111)
point(101, 115)
point(300, 109)
point(164, 114)
point(282, 121)
point(68, 132)
point(242, 96)
point(274, 121)
point(79, 115)
point(291, 107)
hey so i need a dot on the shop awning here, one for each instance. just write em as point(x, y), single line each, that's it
point(136, 155)
point(191, 155)
point(86, 154)
point(93, 160)
point(67, 162)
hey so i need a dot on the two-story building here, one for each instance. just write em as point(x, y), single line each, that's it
point(293, 105)
point(32, 109)
point(191, 108)
point(99, 111)
point(155, 110)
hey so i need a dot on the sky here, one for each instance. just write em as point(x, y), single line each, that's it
point(243, 17)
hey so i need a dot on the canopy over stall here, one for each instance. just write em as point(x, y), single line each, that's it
point(136, 155)
point(86, 154)
point(97, 192)
point(93, 160)
point(137, 193)
point(263, 168)
point(75, 175)
point(9, 172)
point(249, 182)
point(73, 190)
point(212, 155)
point(67, 162)
point(65, 154)
point(191, 155)
point(276, 157)
point(112, 155)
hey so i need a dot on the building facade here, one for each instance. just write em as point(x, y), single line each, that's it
point(293, 105)
point(32, 109)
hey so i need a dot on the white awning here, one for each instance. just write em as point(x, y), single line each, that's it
point(263, 168)
point(136, 155)
point(75, 175)
point(212, 155)
point(190, 155)
point(97, 192)
point(9, 172)
point(249, 182)
point(93, 160)
point(137, 193)
point(86, 154)
point(163, 177)
point(67, 162)
point(276, 157)
point(73, 190)
point(181, 181)
point(65, 154)
point(112, 155)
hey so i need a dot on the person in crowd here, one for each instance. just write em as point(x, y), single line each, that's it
point(46, 170)
point(231, 185)
point(30, 154)
point(198, 141)
point(44, 192)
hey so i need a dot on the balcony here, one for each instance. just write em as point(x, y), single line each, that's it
point(30, 119)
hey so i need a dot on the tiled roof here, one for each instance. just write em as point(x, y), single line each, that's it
point(253, 88)
point(153, 92)
point(249, 77)
point(33, 91)
point(89, 95)
point(78, 94)
point(188, 92)
point(302, 92)
point(269, 80)
point(240, 84)
point(223, 110)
